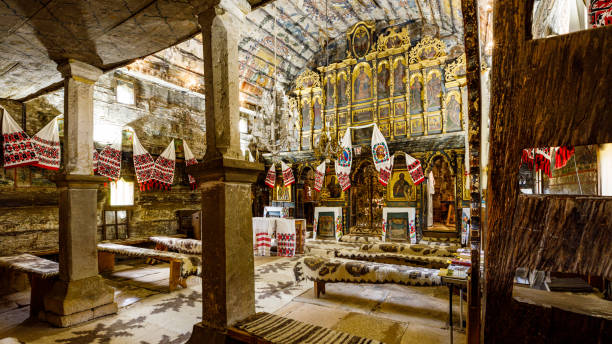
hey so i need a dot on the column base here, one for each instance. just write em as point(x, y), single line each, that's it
point(74, 302)
point(203, 334)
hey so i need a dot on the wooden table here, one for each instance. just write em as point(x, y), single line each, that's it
point(451, 282)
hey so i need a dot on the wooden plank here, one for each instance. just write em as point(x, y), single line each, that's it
point(106, 262)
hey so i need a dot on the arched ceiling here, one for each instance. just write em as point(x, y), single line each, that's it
point(302, 26)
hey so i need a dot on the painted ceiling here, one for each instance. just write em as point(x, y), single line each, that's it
point(302, 26)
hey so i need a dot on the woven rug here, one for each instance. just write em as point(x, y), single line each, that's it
point(189, 246)
point(275, 285)
point(279, 330)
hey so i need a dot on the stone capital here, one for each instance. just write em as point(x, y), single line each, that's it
point(237, 8)
point(78, 181)
point(80, 71)
point(227, 170)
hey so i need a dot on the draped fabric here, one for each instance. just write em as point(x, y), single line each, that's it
point(271, 176)
point(344, 161)
point(415, 169)
point(287, 174)
point(286, 237)
point(17, 147)
point(47, 145)
point(562, 155)
point(319, 176)
point(96, 157)
point(381, 156)
point(109, 162)
point(143, 164)
point(542, 160)
point(263, 230)
point(189, 161)
point(163, 171)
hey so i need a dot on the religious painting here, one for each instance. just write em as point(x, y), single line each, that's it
point(361, 41)
point(434, 123)
point(342, 89)
point(399, 76)
point(363, 135)
point(385, 129)
point(416, 126)
point(362, 115)
point(400, 128)
point(333, 187)
point(330, 121)
point(330, 91)
point(316, 111)
point(398, 225)
point(326, 224)
point(362, 82)
point(342, 118)
point(383, 84)
point(178, 148)
point(416, 98)
point(434, 89)
point(281, 193)
point(305, 114)
point(127, 137)
point(400, 109)
point(400, 186)
point(383, 111)
point(452, 112)
point(428, 53)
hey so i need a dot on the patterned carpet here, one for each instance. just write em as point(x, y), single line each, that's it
point(165, 318)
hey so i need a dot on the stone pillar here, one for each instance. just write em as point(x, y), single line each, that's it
point(228, 287)
point(79, 294)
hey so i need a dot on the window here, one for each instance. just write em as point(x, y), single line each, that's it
point(125, 92)
point(122, 193)
point(115, 224)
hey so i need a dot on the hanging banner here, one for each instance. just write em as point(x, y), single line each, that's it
point(563, 155)
point(343, 162)
point(163, 171)
point(415, 169)
point(380, 154)
point(271, 176)
point(542, 160)
point(17, 146)
point(143, 164)
point(47, 145)
point(109, 162)
point(189, 161)
point(96, 157)
point(319, 176)
point(287, 174)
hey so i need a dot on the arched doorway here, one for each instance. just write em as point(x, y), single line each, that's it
point(366, 201)
point(442, 207)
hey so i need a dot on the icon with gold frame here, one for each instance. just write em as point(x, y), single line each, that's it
point(400, 187)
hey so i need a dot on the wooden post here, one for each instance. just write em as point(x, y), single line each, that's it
point(106, 262)
point(175, 274)
point(472, 52)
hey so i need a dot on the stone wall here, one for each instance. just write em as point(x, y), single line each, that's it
point(162, 112)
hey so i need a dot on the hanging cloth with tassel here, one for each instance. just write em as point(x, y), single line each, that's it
point(563, 155)
point(287, 174)
point(344, 161)
point(189, 161)
point(380, 154)
point(47, 145)
point(143, 164)
point(271, 176)
point(415, 169)
point(96, 157)
point(319, 176)
point(163, 172)
point(109, 162)
point(17, 146)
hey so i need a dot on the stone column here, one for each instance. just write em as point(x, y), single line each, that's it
point(228, 287)
point(79, 294)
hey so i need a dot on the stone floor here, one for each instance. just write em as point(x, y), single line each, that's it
point(150, 314)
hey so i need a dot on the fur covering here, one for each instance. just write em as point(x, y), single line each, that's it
point(190, 246)
point(31, 264)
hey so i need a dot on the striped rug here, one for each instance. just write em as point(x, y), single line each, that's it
point(279, 330)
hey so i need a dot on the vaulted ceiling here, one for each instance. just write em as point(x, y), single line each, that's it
point(34, 34)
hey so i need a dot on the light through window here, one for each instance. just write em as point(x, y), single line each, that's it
point(122, 193)
point(125, 92)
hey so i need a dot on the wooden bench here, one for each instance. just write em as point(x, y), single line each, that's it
point(266, 328)
point(181, 265)
point(181, 245)
point(323, 270)
point(41, 274)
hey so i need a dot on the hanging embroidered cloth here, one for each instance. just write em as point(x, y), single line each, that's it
point(319, 176)
point(47, 145)
point(343, 162)
point(96, 157)
point(263, 229)
point(17, 146)
point(163, 171)
point(563, 155)
point(190, 160)
point(380, 154)
point(415, 169)
point(109, 162)
point(143, 164)
point(528, 157)
point(271, 176)
point(287, 174)
point(285, 234)
point(542, 160)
